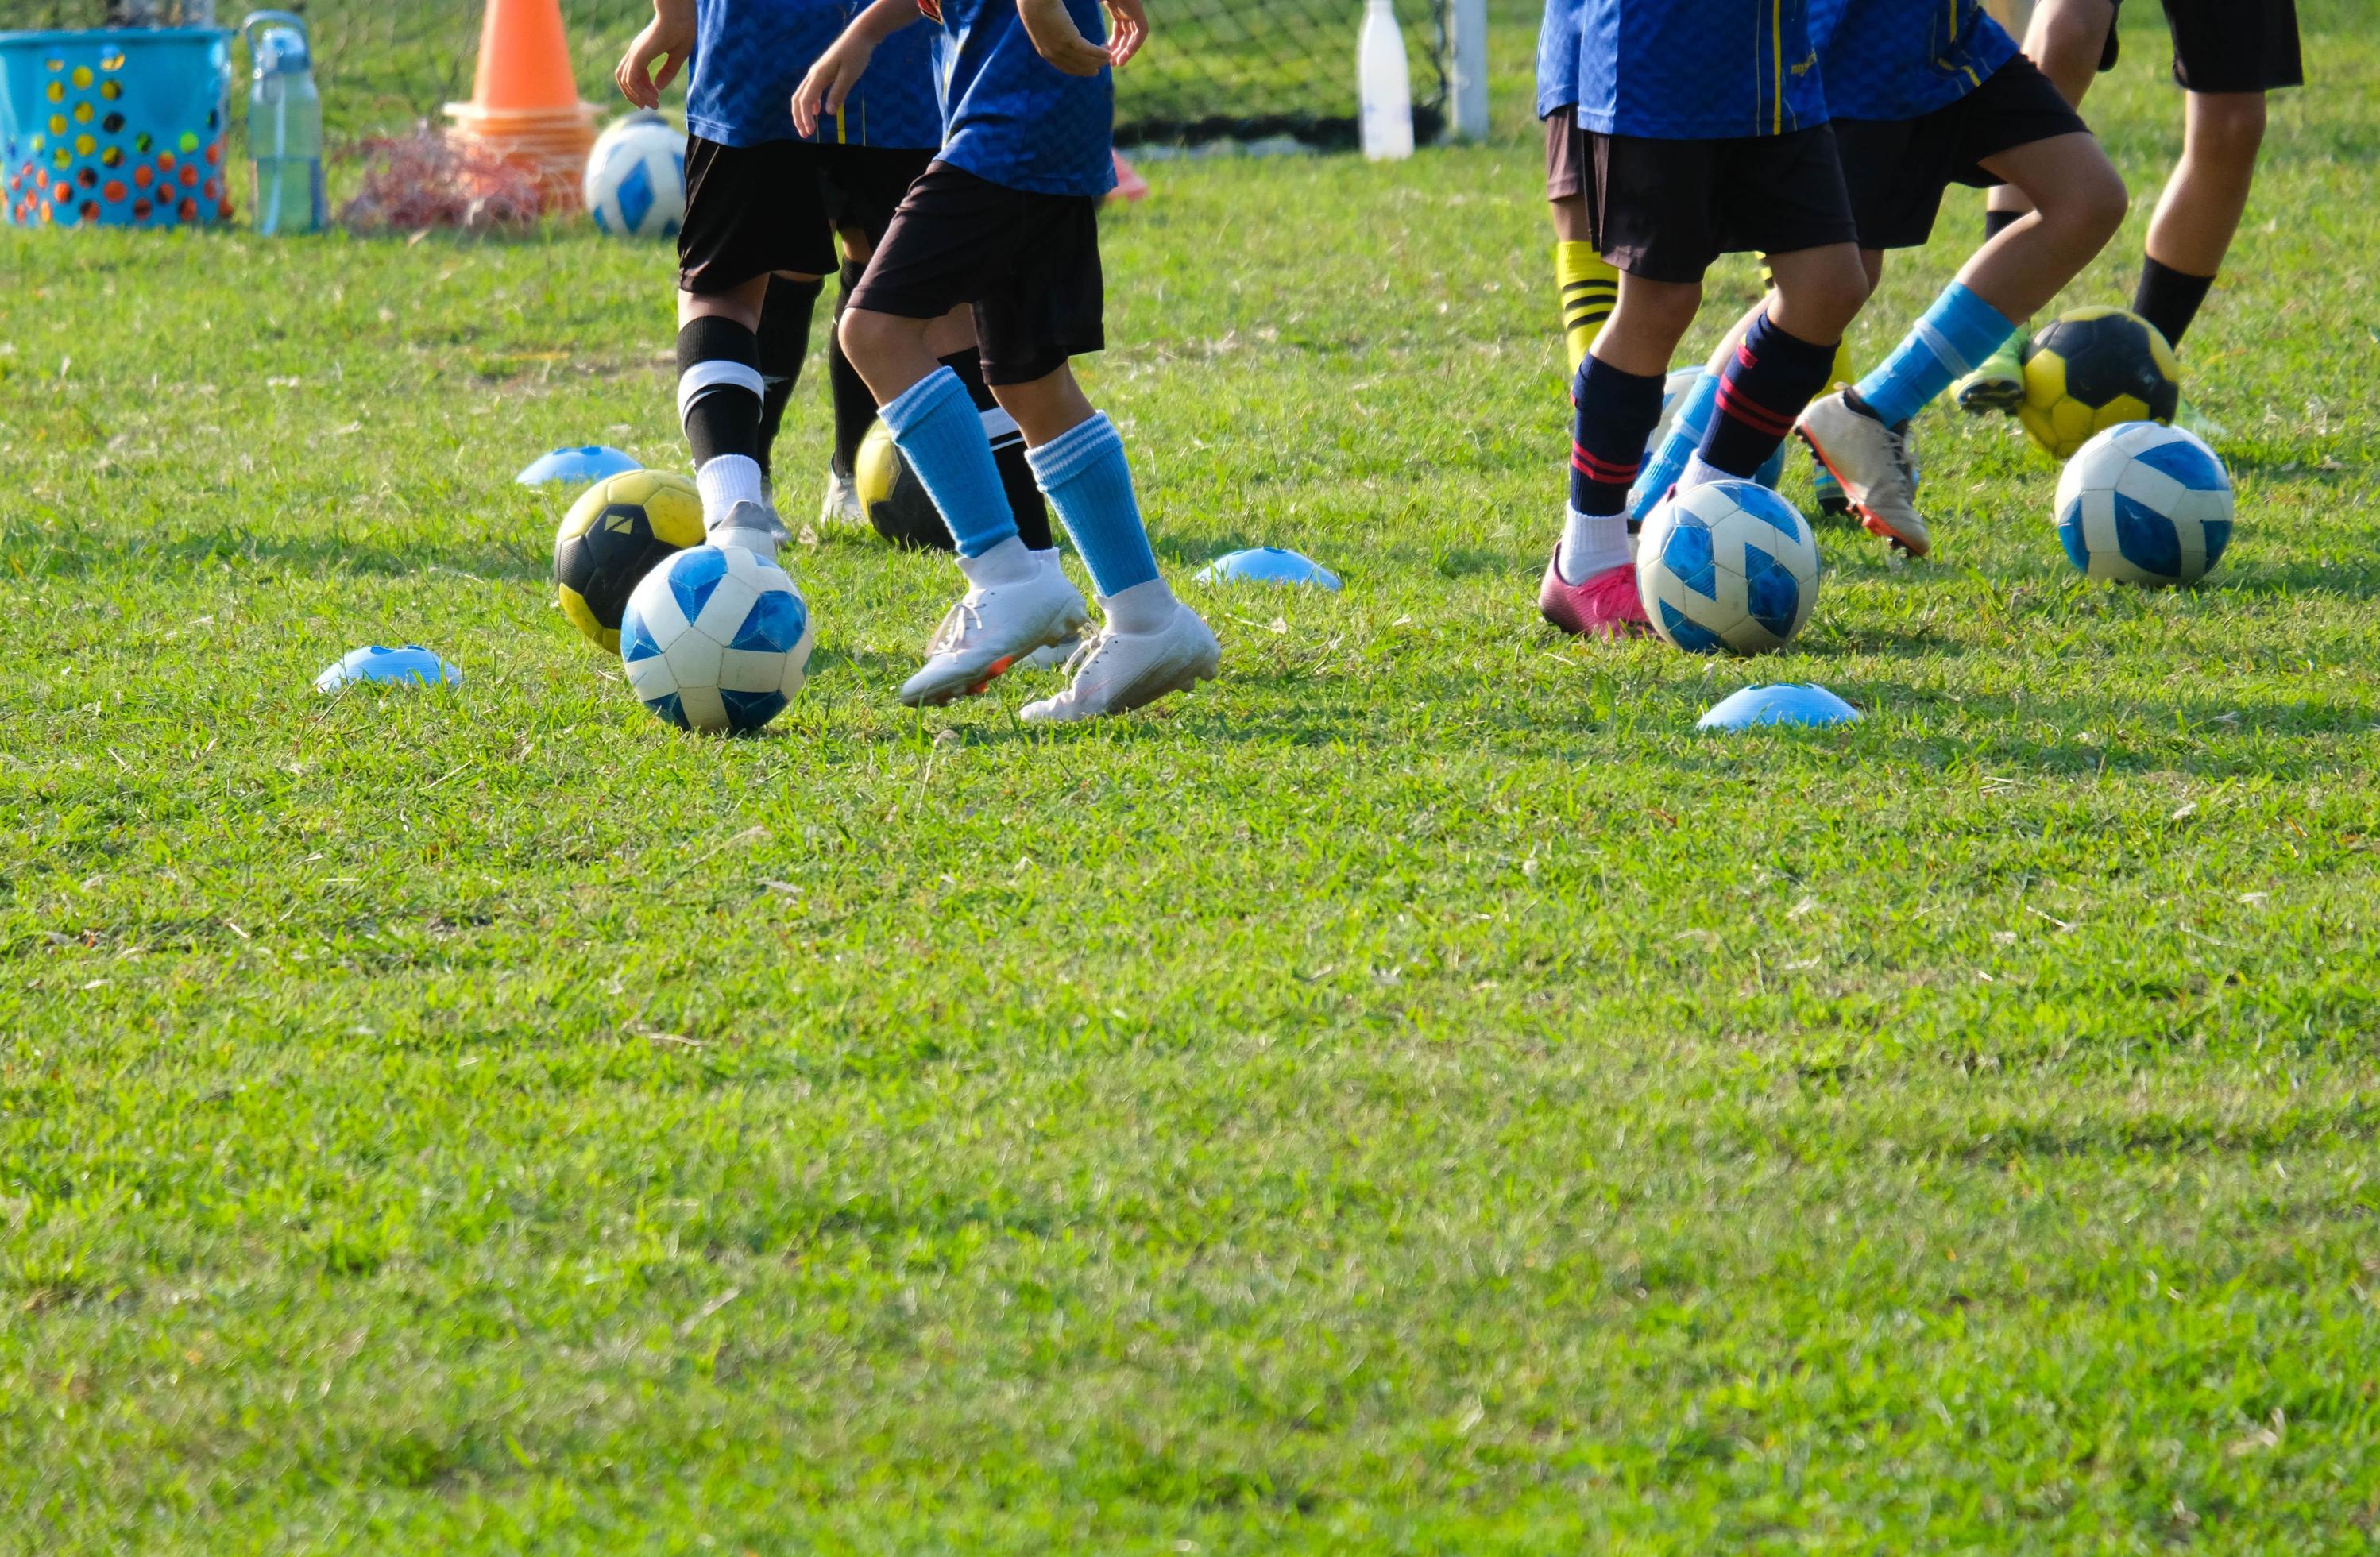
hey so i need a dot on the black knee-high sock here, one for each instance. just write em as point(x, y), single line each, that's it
point(854, 407)
point(719, 388)
point(2170, 298)
point(1025, 499)
point(1999, 222)
point(1773, 376)
point(784, 339)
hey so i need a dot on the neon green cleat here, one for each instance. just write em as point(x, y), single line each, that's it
point(1998, 384)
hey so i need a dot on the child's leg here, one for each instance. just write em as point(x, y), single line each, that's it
point(934, 421)
point(2201, 208)
point(1787, 357)
point(1685, 434)
point(785, 340)
point(719, 391)
point(1616, 401)
point(2067, 38)
point(1078, 458)
point(1588, 285)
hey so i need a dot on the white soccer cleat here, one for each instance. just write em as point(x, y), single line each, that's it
point(753, 526)
point(1115, 673)
point(989, 630)
point(1873, 464)
point(841, 505)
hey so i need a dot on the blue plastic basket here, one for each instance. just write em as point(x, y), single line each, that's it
point(117, 127)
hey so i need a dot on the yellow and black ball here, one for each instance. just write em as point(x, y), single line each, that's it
point(2091, 370)
point(613, 536)
point(895, 499)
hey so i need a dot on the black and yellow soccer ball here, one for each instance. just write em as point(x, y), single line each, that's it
point(2091, 370)
point(613, 536)
point(896, 501)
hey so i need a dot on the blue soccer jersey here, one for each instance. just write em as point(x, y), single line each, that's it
point(1012, 118)
point(1903, 59)
point(1558, 56)
point(750, 54)
point(1698, 69)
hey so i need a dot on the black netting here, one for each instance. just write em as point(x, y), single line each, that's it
point(1239, 69)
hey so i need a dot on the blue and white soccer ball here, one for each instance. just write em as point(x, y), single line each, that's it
point(636, 178)
point(1729, 566)
point(2142, 502)
point(716, 639)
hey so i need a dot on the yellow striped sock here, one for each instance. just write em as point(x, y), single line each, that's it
point(1589, 290)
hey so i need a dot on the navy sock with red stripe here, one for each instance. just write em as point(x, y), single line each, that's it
point(1616, 413)
point(1772, 377)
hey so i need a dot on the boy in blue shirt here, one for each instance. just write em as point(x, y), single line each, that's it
point(1924, 97)
point(765, 205)
point(1006, 221)
point(1705, 124)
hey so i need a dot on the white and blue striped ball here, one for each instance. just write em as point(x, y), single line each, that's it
point(716, 639)
point(1729, 566)
point(2142, 502)
point(636, 179)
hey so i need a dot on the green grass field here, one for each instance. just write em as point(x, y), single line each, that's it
point(1414, 1096)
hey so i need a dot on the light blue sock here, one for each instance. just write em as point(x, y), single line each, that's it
point(936, 427)
point(1669, 461)
point(1083, 473)
point(1951, 338)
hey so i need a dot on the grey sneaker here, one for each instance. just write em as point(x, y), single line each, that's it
point(841, 505)
point(1873, 464)
point(1115, 673)
point(990, 630)
point(753, 526)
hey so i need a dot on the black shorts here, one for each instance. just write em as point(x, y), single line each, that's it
point(1897, 169)
point(1565, 154)
point(752, 210)
point(1028, 263)
point(2228, 46)
point(1664, 210)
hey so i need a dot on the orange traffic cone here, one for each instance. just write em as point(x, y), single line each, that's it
point(525, 103)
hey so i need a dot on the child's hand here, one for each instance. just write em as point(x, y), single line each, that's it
point(1059, 41)
point(830, 78)
point(1127, 31)
point(667, 38)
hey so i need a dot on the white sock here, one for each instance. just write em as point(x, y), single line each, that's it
point(724, 481)
point(1008, 563)
point(1700, 472)
point(1591, 544)
point(1144, 608)
point(1048, 557)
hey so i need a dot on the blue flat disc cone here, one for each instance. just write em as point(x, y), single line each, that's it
point(1786, 703)
point(409, 666)
point(591, 463)
point(1266, 565)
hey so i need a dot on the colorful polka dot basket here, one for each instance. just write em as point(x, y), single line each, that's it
point(114, 129)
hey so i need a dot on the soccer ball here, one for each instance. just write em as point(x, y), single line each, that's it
point(636, 178)
point(2091, 370)
point(716, 639)
point(896, 501)
point(1727, 566)
point(610, 539)
point(2142, 503)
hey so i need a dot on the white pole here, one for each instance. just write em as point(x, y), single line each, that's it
point(1467, 70)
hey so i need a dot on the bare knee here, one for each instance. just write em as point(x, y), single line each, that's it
point(2225, 129)
point(2089, 206)
point(867, 335)
point(2071, 34)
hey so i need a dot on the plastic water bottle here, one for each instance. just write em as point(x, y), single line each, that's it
point(1384, 85)
point(284, 127)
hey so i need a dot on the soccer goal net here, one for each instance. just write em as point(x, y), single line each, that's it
point(1215, 71)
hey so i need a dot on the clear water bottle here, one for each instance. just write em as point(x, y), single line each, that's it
point(1384, 85)
point(284, 126)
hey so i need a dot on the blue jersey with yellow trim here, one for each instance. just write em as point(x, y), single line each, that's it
point(1698, 69)
point(1903, 59)
point(1012, 118)
point(750, 54)
point(1558, 56)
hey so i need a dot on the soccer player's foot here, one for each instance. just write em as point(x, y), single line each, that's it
point(1874, 465)
point(1603, 605)
point(1117, 672)
point(753, 526)
point(1827, 491)
point(992, 628)
point(1998, 384)
point(1053, 656)
point(841, 505)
